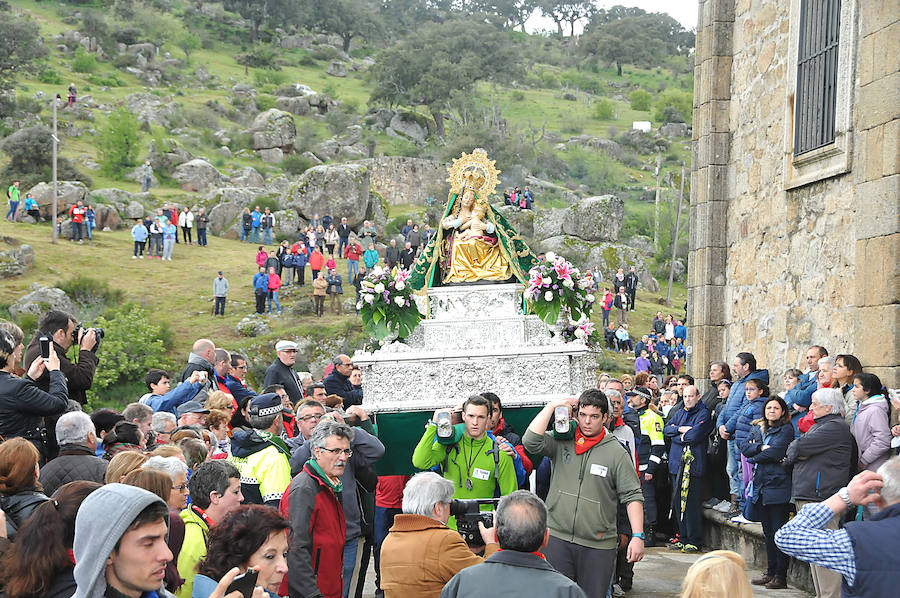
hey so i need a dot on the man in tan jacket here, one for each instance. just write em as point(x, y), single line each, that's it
point(421, 554)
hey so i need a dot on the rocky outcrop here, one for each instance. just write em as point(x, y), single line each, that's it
point(408, 126)
point(15, 261)
point(609, 256)
point(40, 300)
point(252, 326)
point(400, 180)
point(337, 69)
point(294, 105)
point(108, 217)
point(675, 130)
point(247, 177)
point(597, 218)
point(152, 109)
point(67, 193)
point(339, 189)
point(521, 220)
point(274, 129)
point(198, 175)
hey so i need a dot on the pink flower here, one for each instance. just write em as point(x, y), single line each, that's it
point(588, 328)
point(563, 269)
point(537, 280)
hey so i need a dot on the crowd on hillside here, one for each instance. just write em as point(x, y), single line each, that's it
point(204, 477)
point(524, 200)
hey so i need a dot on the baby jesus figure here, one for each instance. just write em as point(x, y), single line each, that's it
point(475, 226)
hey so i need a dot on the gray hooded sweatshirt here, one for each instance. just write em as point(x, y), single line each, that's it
point(103, 518)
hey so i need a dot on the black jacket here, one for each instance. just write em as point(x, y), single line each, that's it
point(620, 301)
point(822, 459)
point(343, 230)
point(75, 462)
point(407, 257)
point(392, 256)
point(19, 507)
point(79, 376)
point(631, 281)
point(278, 373)
point(336, 384)
point(23, 406)
point(517, 573)
point(246, 221)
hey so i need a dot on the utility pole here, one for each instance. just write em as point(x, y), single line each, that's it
point(55, 143)
point(656, 209)
point(675, 239)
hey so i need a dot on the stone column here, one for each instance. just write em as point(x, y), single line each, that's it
point(709, 185)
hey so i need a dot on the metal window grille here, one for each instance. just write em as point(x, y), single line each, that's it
point(817, 62)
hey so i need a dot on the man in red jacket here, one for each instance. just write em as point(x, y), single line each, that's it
point(313, 505)
point(353, 252)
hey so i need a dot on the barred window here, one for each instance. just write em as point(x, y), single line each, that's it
point(817, 74)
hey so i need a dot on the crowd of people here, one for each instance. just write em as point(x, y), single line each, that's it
point(524, 200)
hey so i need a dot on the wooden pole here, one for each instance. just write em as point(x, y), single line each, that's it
point(675, 239)
point(656, 207)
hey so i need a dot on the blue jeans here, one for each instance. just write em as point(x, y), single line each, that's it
point(11, 214)
point(606, 318)
point(254, 236)
point(273, 298)
point(267, 236)
point(344, 241)
point(350, 547)
point(90, 227)
point(201, 237)
point(245, 234)
point(733, 469)
point(352, 269)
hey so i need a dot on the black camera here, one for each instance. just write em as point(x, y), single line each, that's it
point(79, 332)
point(468, 513)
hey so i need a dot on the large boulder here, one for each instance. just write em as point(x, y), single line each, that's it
point(609, 256)
point(597, 218)
point(406, 126)
point(339, 189)
point(294, 105)
point(40, 300)
point(674, 130)
point(247, 177)
point(15, 261)
point(351, 135)
point(223, 217)
point(67, 193)
point(134, 209)
point(337, 69)
point(642, 243)
point(107, 217)
point(521, 220)
point(287, 222)
point(548, 223)
point(274, 128)
point(110, 195)
point(198, 175)
point(152, 109)
point(273, 155)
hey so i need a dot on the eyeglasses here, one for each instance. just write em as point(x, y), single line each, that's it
point(338, 451)
point(289, 350)
point(241, 367)
point(307, 418)
point(180, 488)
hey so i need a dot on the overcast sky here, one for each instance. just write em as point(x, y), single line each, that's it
point(684, 11)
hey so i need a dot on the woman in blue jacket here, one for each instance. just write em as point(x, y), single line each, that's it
point(765, 447)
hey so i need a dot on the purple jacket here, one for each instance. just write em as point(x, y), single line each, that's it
point(871, 428)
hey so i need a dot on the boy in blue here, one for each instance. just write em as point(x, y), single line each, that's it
point(261, 289)
point(255, 220)
point(139, 235)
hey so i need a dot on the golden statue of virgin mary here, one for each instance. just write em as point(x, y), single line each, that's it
point(473, 242)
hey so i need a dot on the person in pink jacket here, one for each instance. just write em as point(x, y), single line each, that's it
point(871, 424)
point(274, 285)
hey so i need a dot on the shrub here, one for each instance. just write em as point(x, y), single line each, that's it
point(260, 57)
point(261, 78)
point(264, 102)
point(133, 343)
point(517, 96)
point(296, 164)
point(86, 291)
point(30, 152)
point(124, 60)
point(325, 53)
point(28, 104)
point(118, 142)
point(265, 201)
point(338, 120)
point(50, 76)
point(679, 100)
point(640, 100)
point(604, 109)
point(84, 62)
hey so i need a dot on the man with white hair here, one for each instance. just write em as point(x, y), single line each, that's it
point(77, 441)
point(163, 424)
point(420, 553)
point(863, 552)
point(178, 472)
point(822, 459)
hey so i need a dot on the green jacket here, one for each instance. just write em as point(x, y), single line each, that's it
point(193, 550)
point(585, 489)
point(430, 453)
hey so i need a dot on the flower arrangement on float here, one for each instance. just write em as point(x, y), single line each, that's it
point(559, 295)
point(386, 304)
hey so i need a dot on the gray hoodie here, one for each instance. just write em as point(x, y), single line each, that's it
point(103, 518)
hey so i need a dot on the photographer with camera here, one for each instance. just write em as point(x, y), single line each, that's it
point(517, 569)
point(591, 476)
point(65, 332)
point(420, 553)
point(476, 464)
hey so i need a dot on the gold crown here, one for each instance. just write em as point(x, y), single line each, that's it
point(473, 180)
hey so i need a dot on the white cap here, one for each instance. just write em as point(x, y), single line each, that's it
point(285, 345)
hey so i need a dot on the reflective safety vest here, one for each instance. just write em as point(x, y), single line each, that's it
point(652, 446)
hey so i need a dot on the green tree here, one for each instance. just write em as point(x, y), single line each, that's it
point(673, 105)
point(20, 47)
point(188, 42)
point(432, 63)
point(118, 143)
point(570, 13)
point(347, 19)
point(604, 109)
point(259, 12)
point(640, 100)
point(84, 62)
point(30, 152)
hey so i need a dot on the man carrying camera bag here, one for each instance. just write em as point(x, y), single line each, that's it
point(591, 476)
point(475, 463)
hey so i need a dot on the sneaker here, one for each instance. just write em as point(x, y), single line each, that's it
point(740, 519)
point(710, 503)
point(733, 512)
point(777, 583)
point(675, 546)
point(617, 591)
point(761, 581)
point(141, 257)
point(690, 549)
point(134, 257)
point(723, 507)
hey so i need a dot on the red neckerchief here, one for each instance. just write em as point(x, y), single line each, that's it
point(202, 514)
point(500, 425)
point(535, 553)
point(71, 554)
point(583, 444)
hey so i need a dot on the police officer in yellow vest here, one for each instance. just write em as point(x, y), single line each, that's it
point(260, 454)
point(650, 452)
